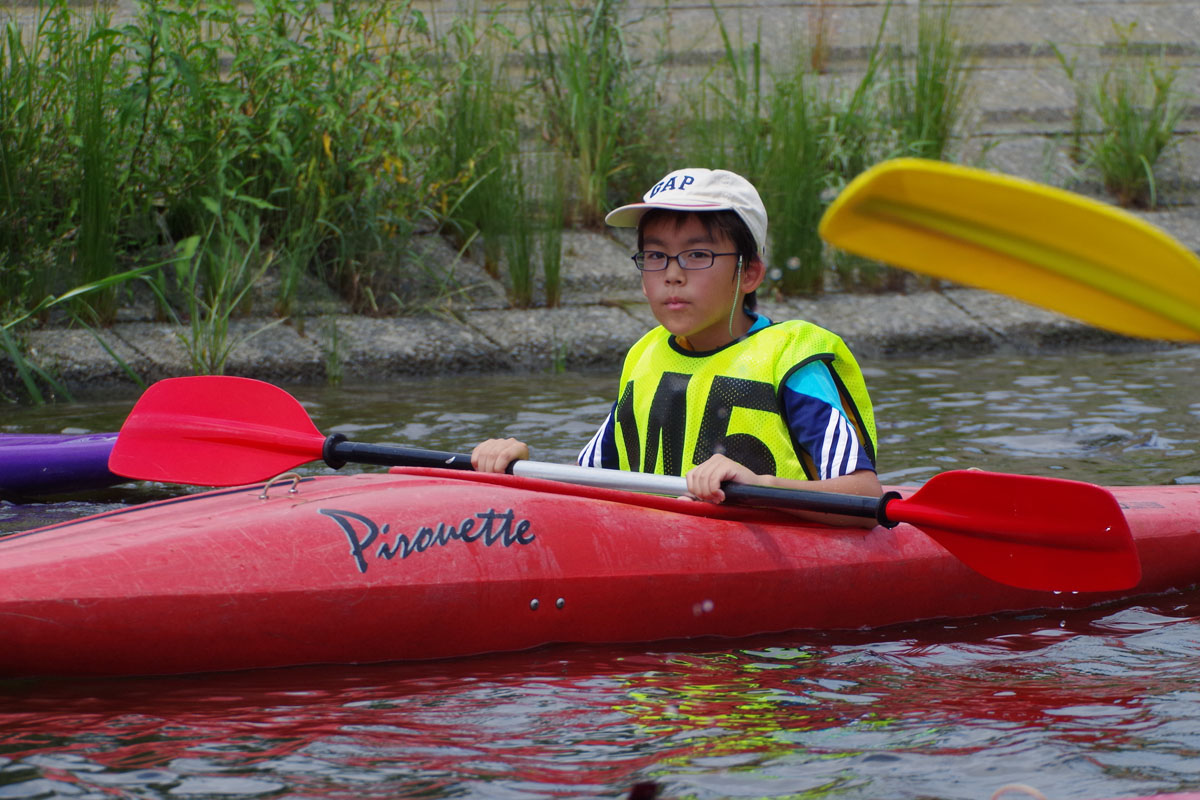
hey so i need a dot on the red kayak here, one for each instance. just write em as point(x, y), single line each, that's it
point(433, 563)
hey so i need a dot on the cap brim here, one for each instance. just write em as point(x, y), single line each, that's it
point(629, 216)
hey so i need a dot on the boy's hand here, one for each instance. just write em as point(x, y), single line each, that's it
point(495, 455)
point(704, 482)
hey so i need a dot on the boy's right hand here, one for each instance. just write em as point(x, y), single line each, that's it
point(495, 455)
point(704, 481)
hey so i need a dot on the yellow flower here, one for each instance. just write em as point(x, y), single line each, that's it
point(395, 168)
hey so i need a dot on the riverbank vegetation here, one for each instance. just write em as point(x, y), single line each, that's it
point(1134, 107)
point(186, 152)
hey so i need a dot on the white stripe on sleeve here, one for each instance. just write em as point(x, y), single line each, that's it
point(839, 447)
point(589, 456)
point(852, 449)
point(827, 443)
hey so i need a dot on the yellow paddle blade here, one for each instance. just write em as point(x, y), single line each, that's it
point(1046, 246)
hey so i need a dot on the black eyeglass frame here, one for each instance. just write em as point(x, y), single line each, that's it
point(639, 259)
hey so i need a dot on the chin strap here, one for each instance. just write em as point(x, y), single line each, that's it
point(737, 290)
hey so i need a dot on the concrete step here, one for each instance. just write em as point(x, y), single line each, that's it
point(1017, 83)
point(1009, 30)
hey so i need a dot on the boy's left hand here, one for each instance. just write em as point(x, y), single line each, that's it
point(704, 482)
point(495, 455)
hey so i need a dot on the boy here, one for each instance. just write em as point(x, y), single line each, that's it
point(718, 392)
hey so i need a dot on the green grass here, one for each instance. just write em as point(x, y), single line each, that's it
point(1139, 107)
point(792, 184)
point(926, 89)
point(36, 94)
point(217, 283)
point(519, 236)
point(316, 142)
point(331, 347)
point(480, 123)
point(1126, 118)
point(551, 214)
point(534, 210)
point(1070, 66)
point(597, 103)
point(798, 141)
point(34, 375)
point(99, 123)
point(319, 117)
point(729, 128)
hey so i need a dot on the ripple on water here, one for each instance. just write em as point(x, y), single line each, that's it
point(1079, 704)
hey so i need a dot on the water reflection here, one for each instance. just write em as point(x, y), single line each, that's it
point(1110, 418)
point(1087, 704)
point(1105, 418)
point(1080, 704)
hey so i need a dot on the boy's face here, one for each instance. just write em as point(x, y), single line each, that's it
point(693, 303)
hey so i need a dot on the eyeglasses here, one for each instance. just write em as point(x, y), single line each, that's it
point(656, 260)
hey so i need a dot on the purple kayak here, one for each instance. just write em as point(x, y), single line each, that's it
point(34, 464)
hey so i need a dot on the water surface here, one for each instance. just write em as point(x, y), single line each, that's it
point(1092, 704)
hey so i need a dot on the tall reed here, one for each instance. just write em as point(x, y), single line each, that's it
point(520, 234)
point(596, 106)
point(311, 132)
point(532, 219)
point(336, 133)
point(1138, 107)
point(32, 373)
point(858, 125)
point(479, 117)
point(98, 125)
point(797, 140)
point(318, 115)
point(217, 282)
point(35, 157)
point(552, 215)
point(926, 91)
point(1070, 67)
point(792, 184)
point(730, 106)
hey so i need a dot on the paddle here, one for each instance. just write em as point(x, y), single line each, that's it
point(1036, 533)
point(1049, 247)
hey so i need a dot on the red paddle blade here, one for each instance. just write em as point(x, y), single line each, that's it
point(214, 431)
point(1035, 533)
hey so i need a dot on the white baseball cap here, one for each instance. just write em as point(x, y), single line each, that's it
point(696, 189)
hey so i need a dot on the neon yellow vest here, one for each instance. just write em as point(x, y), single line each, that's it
point(677, 408)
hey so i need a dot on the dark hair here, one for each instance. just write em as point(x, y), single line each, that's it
point(726, 223)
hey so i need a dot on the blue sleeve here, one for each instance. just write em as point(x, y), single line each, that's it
point(827, 441)
point(601, 451)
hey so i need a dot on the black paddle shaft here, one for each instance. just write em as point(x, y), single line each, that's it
point(850, 505)
point(338, 452)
